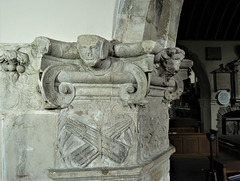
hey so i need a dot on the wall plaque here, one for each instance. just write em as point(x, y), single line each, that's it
point(223, 80)
point(224, 97)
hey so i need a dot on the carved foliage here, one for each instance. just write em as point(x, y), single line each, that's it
point(18, 79)
point(15, 62)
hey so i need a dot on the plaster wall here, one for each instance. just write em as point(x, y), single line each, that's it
point(23, 20)
point(229, 50)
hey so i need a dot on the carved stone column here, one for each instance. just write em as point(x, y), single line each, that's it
point(99, 110)
point(139, 20)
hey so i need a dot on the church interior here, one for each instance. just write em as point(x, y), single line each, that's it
point(206, 29)
point(204, 122)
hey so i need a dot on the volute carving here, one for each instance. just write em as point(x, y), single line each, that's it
point(56, 93)
point(96, 66)
point(146, 63)
point(96, 74)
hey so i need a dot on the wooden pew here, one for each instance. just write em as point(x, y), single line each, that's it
point(224, 167)
point(192, 144)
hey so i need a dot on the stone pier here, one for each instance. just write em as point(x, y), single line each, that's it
point(87, 110)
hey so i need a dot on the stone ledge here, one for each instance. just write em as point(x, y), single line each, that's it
point(136, 173)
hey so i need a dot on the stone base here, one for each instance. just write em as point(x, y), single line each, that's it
point(27, 145)
point(156, 170)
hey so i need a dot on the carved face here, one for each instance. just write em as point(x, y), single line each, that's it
point(92, 49)
point(172, 66)
point(90, 54)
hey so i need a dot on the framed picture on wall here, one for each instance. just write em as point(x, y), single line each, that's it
point(213, 53)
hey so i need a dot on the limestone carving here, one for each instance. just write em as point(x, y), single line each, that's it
point(91, 77)
point(19, 78)
point(14, 61)
point(153, 129)
point(55, 92)
point(175, 92)
point(40, 46)
point(95, 66)
point(137, 49)
point(85, 138)
point(167, 64)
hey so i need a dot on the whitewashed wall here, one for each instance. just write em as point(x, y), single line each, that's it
point(23, 20)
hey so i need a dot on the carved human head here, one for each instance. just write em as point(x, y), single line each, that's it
point(170, 59)
point(92, 49)
point(172, 65)
point(176, 56)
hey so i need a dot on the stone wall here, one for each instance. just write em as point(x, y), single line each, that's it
point(139, 20)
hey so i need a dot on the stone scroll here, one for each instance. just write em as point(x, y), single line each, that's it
point(110, 101)
point(108, 95)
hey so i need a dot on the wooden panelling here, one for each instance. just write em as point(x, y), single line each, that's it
point(191, 144)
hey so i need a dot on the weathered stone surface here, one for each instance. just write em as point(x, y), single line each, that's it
point(156, 170)
point(102, 133)
point(136, 49)
point(19, 76)
point(104, 123)
point(93, 109)
point(139, 20)
point(131, 18)
point(153, 129)
point(106, 107)
point(28, 144)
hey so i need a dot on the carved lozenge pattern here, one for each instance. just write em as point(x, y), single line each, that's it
point(98, 133)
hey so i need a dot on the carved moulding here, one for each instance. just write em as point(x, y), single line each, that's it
point(173, 93)
point(55, 92)
point(104, 133)
point(113, 100)
point(61, 83)
point(151, 171)
point(97, 144)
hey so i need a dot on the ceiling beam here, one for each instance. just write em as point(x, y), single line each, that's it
point(190, 19)
point(231, 19)
point(237, 31)
point(221, 20)
point(201, 18)
point(211, 19)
